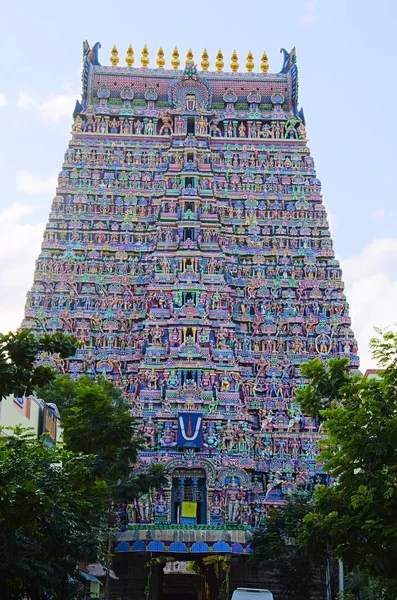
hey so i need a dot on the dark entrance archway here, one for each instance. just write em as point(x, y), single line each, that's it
point(189, 496)
point(179, 584)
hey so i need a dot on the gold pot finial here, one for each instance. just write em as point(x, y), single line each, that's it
point(264, 63)
point(145, 56)
point(219, 64)
point(250, 62)
point(160, 58)
point(175, 62)
point(114, 56)
point(129, 59)
point(189, 56)
point(204, 60)
point(234, 62)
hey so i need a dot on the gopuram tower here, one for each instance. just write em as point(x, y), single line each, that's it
point(188, 248)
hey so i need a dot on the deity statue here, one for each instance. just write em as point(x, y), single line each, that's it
point(201, 126)
point(232, 500)
point(168, 437)
point(179, 125)
point(227, 436)
point(166, 127)
point(216, 511)
point(302, 131)
point(160, 506)
point(273, 483)
point(144, 508)
point(290, 126)
point(156, 336)
point(210, 438)
point(214, 129)
point(138, 125)
point(114, 126)
point(78, 124)
point(225, 382)
point(148, 432)
point(241, 130)
point(149, 129)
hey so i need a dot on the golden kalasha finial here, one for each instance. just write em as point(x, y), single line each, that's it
point(175, 62)
point(129, 59)
point(145, 56)
point(114, 56)
point(204, 60)
point(234, 62)
point(264, 63)
point(189, 56)
point(219, 64)
point(250, 62)
point(160, 58)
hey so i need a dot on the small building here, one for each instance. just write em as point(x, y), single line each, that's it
point(373, 373)
point(31, 412)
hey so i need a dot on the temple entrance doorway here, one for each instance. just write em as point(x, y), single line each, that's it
point(181, 584)
point(189, 497)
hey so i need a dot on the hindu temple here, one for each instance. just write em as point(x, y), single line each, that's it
point(188, 248)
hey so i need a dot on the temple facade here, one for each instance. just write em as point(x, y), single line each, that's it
point(188, 248)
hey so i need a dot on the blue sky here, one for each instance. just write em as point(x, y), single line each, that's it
point(346, 57)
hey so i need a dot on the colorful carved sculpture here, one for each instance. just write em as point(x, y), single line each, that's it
point(188, 249)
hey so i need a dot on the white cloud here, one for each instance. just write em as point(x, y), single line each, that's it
point(29, 183)
point(13, 213)
point(53, 109)
point(380, 256)
point(57, 107)
point(309, 11)
point(3, 99)
point(19, 248)
point(371, 290)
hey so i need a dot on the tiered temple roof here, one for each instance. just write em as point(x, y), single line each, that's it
point(188, 248)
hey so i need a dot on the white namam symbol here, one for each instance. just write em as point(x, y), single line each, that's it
point(190, 436)
point(190, 101)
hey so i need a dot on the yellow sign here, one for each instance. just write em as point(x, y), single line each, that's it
point(189, 510)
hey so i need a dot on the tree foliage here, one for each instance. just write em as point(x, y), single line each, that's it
point(50, 513)
point(134, 487)
point(19, 373)
point(280, 546)
point(56, 503)
point(357, 515)
point(97, 421)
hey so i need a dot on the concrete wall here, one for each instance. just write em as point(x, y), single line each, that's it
point(29, 412)
point(25, 412)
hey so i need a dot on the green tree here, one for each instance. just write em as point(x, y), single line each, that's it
point(279, 546)
point(97, 421)
point(357, 515)
point(19, 373)
point(50, 518)
point(99, 437)
point(151, 479)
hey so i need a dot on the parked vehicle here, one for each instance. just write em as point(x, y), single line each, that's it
point(252, 594)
